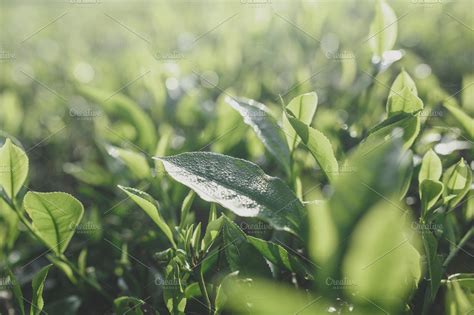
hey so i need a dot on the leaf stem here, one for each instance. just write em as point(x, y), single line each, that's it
point(456, 249)
point(202, 286)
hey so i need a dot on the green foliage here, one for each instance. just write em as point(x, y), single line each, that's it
point(340, 183)
point(240, 186)
point(55, 217)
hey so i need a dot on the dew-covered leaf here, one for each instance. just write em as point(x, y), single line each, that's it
point(239, 186)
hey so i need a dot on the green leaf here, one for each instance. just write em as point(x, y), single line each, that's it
point(457, 180)
point(186, 206)
point(303, 108)
point(265, 126)
point(430, 191)
point(405, 102)
point(37, 302)
point(173, 290)
point(431, 167)
point(383, 30)
point(318, 145)
point(239, 186)
point(323, 234)
point(212, 231)
point(54, 216)
point(13, 168)
point(403, 96)
point(221, 297)
point(135, 161)
point(435, 264)
point(149, 205)
point(381, 248)
point(240, 254)
point(466, 122)
point(368, 179)
point(8, 227)
point(406, 176)
point(124, 108)
point(402, 81)
point(17, 293)
point(279, 256)
point(458, 301)
point(128, 305)
point(399, 124)
point(228, 123)
point(263, 297)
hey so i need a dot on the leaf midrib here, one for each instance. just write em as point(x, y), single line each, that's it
point(56, 228)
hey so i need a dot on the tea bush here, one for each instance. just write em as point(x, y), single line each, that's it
point(249, 157)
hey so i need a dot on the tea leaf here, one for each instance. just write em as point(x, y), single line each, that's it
point(135, 161)
point(318, 145)
point(303, 108)
point(279, 256)
point(173, 291)
point(383, 30)
point(401, 124)
point(240, 254)
point(265, 126)
point(431, 167)
point(17, 293)
point(54, 216)
point(13, 168)
point(457, 180)
point(239, 186)
point(37, 302)
point(263, 297)
point(430, 191)
point(148, 204)
point(402, 81)
point(372, 257)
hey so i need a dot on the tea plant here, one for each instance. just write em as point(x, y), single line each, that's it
point(203, 200)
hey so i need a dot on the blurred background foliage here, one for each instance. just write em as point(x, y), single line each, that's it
point(82, 78)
